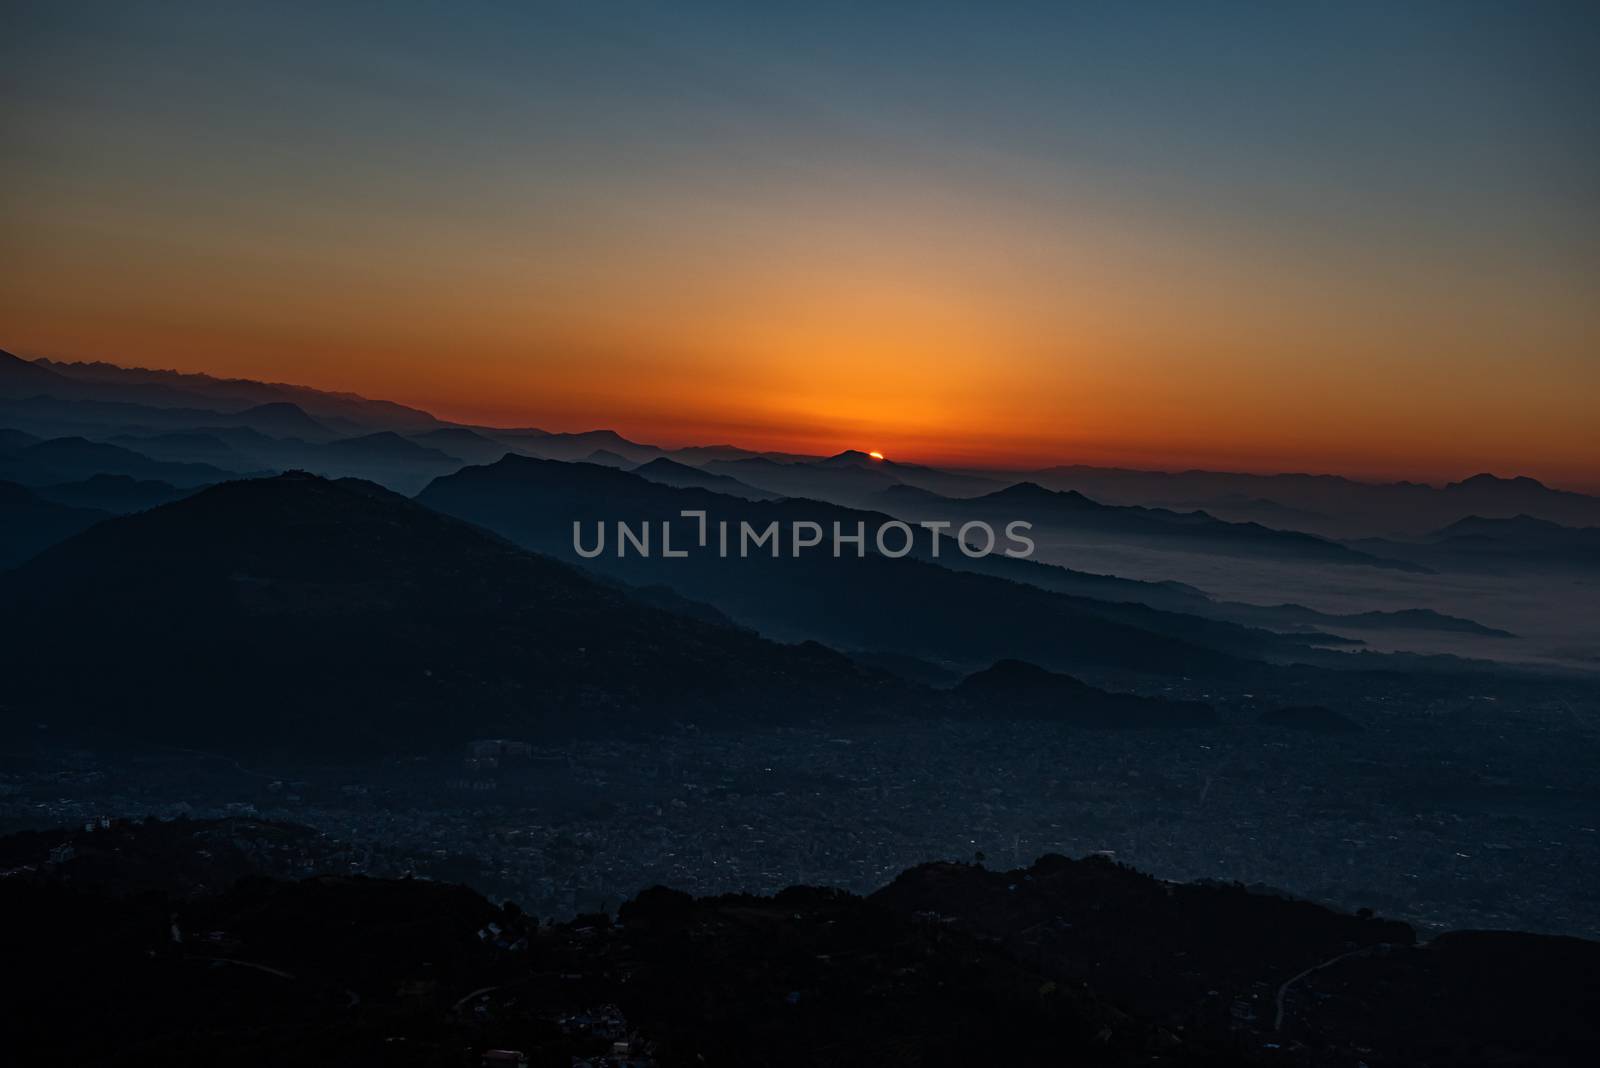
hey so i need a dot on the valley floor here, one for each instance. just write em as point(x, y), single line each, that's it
point(1465, 813)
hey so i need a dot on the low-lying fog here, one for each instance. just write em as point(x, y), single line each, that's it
point(1552, 612)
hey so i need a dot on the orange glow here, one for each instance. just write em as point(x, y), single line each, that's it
point(876, 455)
point(1053, 242)
point(952, 333)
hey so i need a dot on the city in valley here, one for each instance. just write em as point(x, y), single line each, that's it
point(867, 535)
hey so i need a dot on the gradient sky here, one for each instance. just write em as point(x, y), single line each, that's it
point(1359, 238)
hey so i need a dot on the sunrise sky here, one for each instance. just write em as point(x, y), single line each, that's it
point(1345, 237)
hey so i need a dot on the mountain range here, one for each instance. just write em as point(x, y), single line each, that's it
point(119, 440)
point(301, 614)
point(64, 399)
point(1500, 543)
point(1330, 505)
point(683, 476)
point(100, 381)
point(1071, 516)
point(72, 459)
point(957, 599)
point(909, 605)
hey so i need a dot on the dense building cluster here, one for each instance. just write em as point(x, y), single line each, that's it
point(1430, 812)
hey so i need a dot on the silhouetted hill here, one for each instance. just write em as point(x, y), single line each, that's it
point(536, 505)
point(29, 523)
point(1203, 959)
point(1486, 486)
point(919, 476)
point(14, 440)
point(115, 494)
point(1177, 597)
point(191, 446)
point(671, 473)
point(1065, 961)
point(606, 458)
point(1028, 691)
point(388, 447)
point(74, 459)
point(1333, 505)
point(908, 605)
point(844, 484)
point(695, 455)
point(848, 458)
point(1070, 515)
point(1499, 544)
point(469, 445)
point(1526, 529)
point(19, 378)
point(345, 412)
point(48, 416)
point(401, 463)
point(126, 422)
point(1181, 954)
point(298, 614)
point(581, 445)
point(335, 970)
point(385, 457)
point(1466, 997)
point(280, 419)
point(1243, 508)
point(1520, 536)
point(849, 478)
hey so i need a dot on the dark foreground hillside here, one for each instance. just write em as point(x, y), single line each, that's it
point(1069, 961)
point(297, 614)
